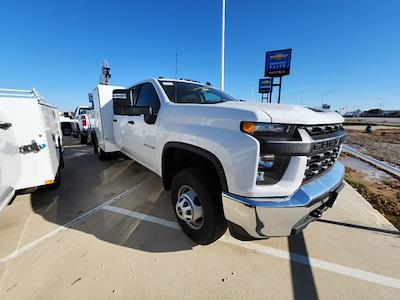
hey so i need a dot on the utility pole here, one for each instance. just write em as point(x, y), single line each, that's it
point(223, 46)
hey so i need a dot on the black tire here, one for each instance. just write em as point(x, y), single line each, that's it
point(83, 139)
point(98, 151)
point(66, 130)
point(61, 155)
point(208, 193)
point(57, 181)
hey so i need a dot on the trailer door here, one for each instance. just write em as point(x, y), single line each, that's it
point(10, 163)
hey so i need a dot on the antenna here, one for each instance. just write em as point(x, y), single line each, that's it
point(105, 73)
point(176, 65)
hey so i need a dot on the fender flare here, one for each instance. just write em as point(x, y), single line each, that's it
point(201, 152)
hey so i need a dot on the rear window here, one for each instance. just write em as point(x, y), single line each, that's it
point(83, 111)
point(185, 92)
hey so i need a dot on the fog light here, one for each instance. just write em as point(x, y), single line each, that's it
point(260, 176)
point(271, 168)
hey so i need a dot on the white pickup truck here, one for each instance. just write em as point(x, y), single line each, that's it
point(81, 124)
point(264, 170)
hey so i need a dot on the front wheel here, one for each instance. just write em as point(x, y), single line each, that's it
point(197, 202)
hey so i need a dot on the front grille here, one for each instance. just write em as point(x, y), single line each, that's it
point(322, 131)
point(328, 139)
point(318, 163)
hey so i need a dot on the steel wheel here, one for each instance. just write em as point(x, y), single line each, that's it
point(189, 208)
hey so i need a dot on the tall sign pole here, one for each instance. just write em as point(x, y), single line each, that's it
point(223, 46)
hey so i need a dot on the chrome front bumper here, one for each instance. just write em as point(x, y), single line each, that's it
point(268, 217)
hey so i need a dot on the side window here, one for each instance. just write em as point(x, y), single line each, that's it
point(210, 96)
point(82, 111)
point(148, 97)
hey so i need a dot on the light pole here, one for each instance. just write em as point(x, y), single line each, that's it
point(223, 46)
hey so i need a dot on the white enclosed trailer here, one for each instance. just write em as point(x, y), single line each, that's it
point(30, 143)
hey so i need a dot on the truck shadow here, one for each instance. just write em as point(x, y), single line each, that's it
point(303, 282)
point(87, 183)
point(368, 228)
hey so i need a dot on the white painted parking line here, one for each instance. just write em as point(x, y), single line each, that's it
point(141, 216)
point(316, 263)
point(305, 260)
point(66, 226)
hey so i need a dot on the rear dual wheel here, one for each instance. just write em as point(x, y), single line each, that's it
point(83, 139)
point(98, 151)
point(196, 199)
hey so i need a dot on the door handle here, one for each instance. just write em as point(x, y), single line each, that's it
point(115, 120)
point(131, 122)
point(5, 126)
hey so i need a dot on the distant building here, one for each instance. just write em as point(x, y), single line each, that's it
point(353, 114)
point(376, 112)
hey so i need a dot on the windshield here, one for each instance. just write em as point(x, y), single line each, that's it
point(184, 92)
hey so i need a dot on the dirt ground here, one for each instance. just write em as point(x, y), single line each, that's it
point(382, 144)
point(383, 194)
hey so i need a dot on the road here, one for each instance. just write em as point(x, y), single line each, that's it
point(109, 232)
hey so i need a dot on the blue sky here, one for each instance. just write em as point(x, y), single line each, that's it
point(345, 50)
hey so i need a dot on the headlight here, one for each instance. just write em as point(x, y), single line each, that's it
point(258, 129)
point(271, 167)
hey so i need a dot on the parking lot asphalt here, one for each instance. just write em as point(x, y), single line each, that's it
point(109, 231)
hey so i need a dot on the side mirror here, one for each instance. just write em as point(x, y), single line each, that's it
point(90, 95)
point(121, 97)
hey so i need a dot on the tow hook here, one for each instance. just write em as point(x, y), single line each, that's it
point(316, 213)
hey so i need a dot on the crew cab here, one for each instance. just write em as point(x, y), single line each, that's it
point(263, 170)
point(80, 126)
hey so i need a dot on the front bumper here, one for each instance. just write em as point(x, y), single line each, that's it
point(268, 217)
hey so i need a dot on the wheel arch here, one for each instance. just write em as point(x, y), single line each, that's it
point(169, 170)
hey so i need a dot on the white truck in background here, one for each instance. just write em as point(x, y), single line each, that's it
point(30, 143)
point(80, 127)
point(264, 170)
point(66, 123)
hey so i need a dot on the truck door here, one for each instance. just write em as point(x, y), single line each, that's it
point(10, 164)
point(145, 142)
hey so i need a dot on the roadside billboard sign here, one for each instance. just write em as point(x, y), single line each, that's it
point(277, 63)
point(265, 85)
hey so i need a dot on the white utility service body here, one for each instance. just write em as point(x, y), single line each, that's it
point(30, 142)
point(102, 116)
point(269, 183)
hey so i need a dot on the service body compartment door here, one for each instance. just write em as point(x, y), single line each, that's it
point(10, 163)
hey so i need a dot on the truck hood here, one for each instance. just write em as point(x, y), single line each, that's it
point(288, 114)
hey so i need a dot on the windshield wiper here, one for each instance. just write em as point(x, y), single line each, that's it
point(214, 102)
